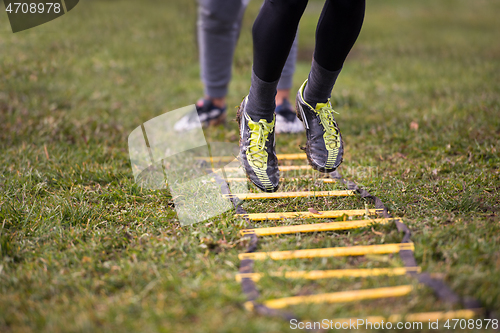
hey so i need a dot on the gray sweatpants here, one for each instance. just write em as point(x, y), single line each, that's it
point(219, 24)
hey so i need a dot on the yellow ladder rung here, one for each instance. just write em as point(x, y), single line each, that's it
point(294, 167)
point(328, 252)
point(278, 195)
point(324, 180)
point(242, 180)
point(232, 158)
point(321, 215)
point(341, 297)
point(329, 274)
point(292, 156)
point(423, 317)
point(282, 168)
point(438, 315)
point(218, 159)
point(313, 227)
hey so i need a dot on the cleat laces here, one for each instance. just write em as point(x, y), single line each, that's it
point(259, 132)
point(329, 125)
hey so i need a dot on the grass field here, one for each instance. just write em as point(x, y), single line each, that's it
point(83, 249)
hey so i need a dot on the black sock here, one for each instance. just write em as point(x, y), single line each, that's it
point(319, 84)
point(261, 103)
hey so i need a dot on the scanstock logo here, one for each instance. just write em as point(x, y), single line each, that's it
point(28, 14)
point(198, 174)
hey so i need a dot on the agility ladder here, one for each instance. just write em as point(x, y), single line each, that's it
point(248, 278)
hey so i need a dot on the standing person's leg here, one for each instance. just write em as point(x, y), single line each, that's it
point(286, 118)
point(286, 80)
point(274, 31)
point(218, 26)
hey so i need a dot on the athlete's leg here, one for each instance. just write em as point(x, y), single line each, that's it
point(338, 28)
point(274, 31)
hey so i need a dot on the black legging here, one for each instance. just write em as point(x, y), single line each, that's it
point(275, 27)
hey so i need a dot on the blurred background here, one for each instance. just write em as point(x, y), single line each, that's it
point(84, 249)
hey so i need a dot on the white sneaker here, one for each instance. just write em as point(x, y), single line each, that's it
point(286, 119)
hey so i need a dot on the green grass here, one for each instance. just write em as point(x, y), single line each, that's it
point(84, 249)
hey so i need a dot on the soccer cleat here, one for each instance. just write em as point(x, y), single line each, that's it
point(324, 147)
point(207, 113)
point(286, 119)
point(257, 150)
